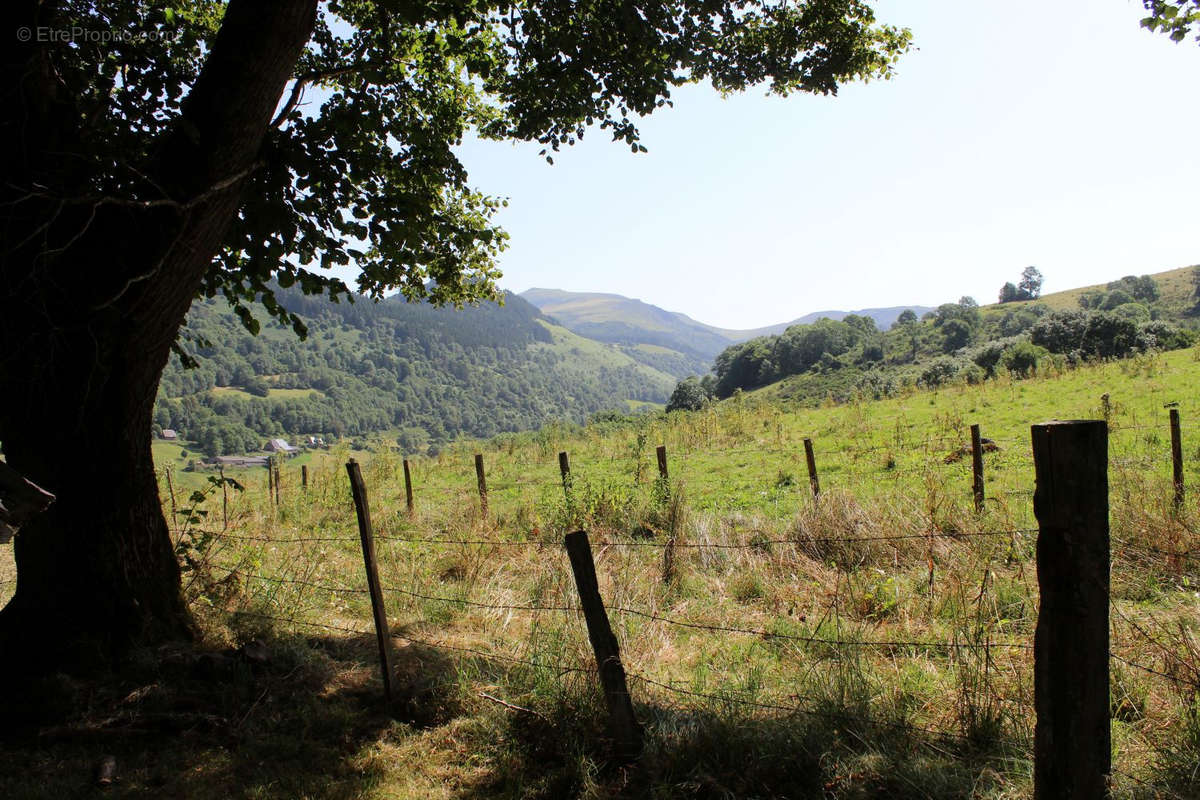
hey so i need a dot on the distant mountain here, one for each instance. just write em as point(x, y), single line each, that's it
point(630, 323)
point(884, 317)
point(428, 374)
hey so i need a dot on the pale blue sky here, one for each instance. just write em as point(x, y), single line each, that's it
point(1056, 133)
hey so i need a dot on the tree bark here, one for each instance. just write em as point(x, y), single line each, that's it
point(93, 291)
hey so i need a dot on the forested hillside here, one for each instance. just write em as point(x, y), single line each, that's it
point(427, 373)
point(667, 340)
point(962, 341)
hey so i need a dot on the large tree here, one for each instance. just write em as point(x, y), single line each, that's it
point(157, 151)
point(1175, 18)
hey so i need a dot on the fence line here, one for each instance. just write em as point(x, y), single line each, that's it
point(758, 545)
point(560, 668)
point(1166, 651)
point(818, 640)
point(845, 468)
point(1153, 787)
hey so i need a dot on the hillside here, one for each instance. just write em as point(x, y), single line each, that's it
point(427, 374)
point(839, 360)
point(1176, 286)
point(633, 323)
point(630, 323)
point(755, 622)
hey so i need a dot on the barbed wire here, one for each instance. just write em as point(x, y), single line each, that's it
point(1143, 667)
point(461, 542)
point(1156, 789)
point(1185, 554)
point(1164, 649)
point(405, 592)
point(324, 625)
point(284, 540)
point(755, 545)
point(819, 640)
point(562, 669)
point(295, 582)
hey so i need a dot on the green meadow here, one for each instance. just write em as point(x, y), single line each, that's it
point(871, 642)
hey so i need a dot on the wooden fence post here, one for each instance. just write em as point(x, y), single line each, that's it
point(1177, 459)
point(270, 480)
point(661, 452)
point(367, 535)
point(277, 481)
point(479, 477)
point(625, 729)
point(224, 500)
point(564, 467)
point(977, 468)
point(811, 458)
point(408, 497)
point(171, 492)
point(304, 477)
point(1072, 736)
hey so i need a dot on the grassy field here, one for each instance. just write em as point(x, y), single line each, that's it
point(873, 643)
point(274, 394)
point(1175, 285)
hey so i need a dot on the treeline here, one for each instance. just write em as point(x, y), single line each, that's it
point(431, 374)
point(957, 341)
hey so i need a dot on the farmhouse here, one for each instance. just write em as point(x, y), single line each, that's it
point(169, 435)
point(280, 446)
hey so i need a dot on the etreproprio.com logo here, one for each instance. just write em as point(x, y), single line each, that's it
point(80, 34)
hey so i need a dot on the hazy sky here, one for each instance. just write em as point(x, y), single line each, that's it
point(1058, 134)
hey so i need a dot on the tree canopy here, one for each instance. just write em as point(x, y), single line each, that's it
point(1029, 288)
point(166, 152)
point(367, 176)
point(1175, 18)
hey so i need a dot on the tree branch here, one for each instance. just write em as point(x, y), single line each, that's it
point(302, 81)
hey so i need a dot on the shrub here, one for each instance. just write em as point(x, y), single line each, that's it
point(1022, 358)
point(1133, 311)
point(689, 395)
point(940, 371)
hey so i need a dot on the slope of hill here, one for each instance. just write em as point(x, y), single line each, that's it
point(962, 342)
point(1175, 285)
point(428, 374)
point(633, 323)
point(628, 322)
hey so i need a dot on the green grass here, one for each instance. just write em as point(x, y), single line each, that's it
point(272, 394)
point(1175, 286)
point(906, 720)
point(578, 351)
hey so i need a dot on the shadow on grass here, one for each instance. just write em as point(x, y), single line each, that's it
point(286, 716)
point(293, 716)
point(729, 753)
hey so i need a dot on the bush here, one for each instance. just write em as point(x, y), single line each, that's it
point(1060, 331)
point(988, 355)
point(257, 386)
point(689, 395)
point(1022, 358)
point(940, 371)
point(1165, 336)
point(877, 385)
point(1115, 298)
point(1133, 311)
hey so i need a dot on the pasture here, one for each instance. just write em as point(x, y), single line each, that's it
point(873, 641)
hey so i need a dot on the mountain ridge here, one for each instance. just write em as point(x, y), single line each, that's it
point(618, 319)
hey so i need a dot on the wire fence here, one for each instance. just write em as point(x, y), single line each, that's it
point(839, 467)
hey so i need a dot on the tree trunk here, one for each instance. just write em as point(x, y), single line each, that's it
point(92, 295)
